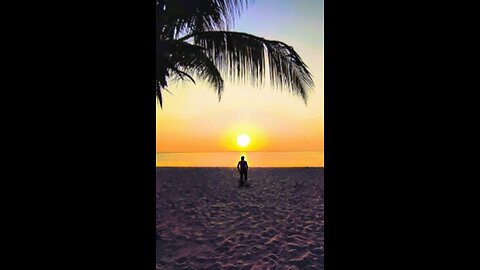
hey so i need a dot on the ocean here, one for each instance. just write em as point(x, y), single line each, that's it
point(230, 159)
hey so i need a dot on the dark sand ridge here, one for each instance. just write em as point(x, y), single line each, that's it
point(204, 221)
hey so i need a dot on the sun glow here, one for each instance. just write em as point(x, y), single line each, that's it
point(243, 140)
point(243, 137)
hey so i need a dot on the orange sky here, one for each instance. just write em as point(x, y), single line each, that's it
point(193, 120)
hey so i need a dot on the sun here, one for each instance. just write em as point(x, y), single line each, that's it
point(243, 140)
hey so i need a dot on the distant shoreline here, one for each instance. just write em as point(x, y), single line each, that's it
point(292, 159)
point(251, 168)
point(237, 151)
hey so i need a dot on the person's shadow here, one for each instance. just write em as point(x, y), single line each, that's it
point(245, 184)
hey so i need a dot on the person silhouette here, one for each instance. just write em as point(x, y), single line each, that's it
point(242, 168)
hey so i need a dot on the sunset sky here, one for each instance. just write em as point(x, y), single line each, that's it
point(193, 120)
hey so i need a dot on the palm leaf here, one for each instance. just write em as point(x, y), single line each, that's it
point(176, 17)
point(158, 93)
point(177, 59)
point(192, 59)
point(245, 57)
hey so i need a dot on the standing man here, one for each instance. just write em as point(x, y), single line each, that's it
point(242, 167)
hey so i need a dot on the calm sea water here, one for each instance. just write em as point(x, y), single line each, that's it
point(230, 159)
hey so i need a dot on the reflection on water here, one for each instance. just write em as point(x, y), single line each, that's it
point(230, 159)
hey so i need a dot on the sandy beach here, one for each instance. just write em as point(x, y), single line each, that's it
point(205, 221)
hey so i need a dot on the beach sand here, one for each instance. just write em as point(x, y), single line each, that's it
point(205, 221)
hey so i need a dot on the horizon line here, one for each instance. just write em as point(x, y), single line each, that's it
point(239, 151)
point(256, 167)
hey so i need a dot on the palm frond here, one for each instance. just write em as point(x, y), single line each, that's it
point(192, 59)
point(180, 60)
point(176, 17)
point(207, 47)
point(181, 75)
point(158, 93)
point(245, 57)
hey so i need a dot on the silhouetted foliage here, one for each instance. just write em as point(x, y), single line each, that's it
point(193, 38)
